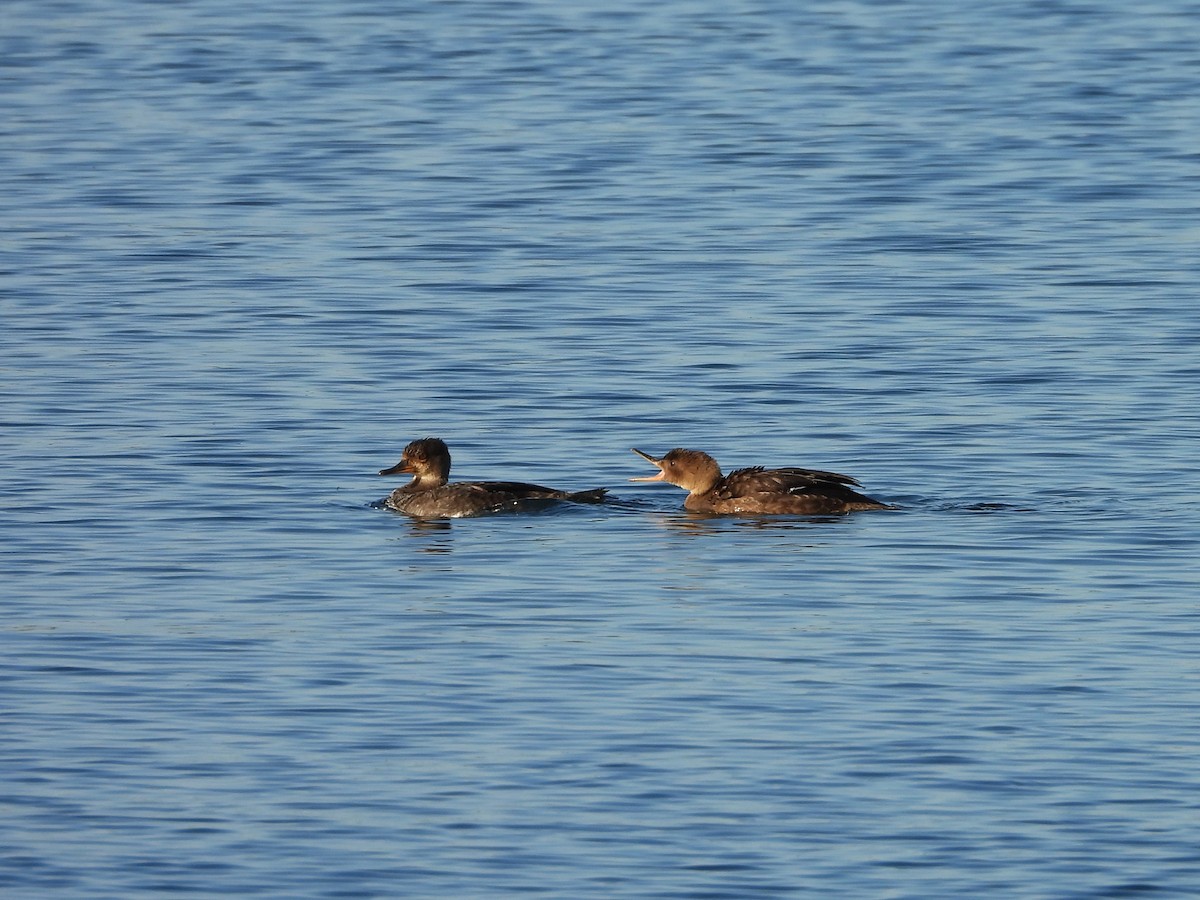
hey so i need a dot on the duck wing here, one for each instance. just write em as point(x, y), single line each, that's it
point(790, 480)
point(514, 489)
point(510, 491)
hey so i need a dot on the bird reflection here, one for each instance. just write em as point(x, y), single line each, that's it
point(435, 534)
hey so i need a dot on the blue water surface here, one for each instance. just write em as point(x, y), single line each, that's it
point(251, 250)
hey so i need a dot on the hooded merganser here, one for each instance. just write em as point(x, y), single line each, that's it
point(757, 490)
point(429, 496)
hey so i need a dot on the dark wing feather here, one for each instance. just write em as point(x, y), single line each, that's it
point(818, 475)
point(757, 480)
point(504, 494)
point(515, 489)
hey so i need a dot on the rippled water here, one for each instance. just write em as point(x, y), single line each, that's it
point(252, 250)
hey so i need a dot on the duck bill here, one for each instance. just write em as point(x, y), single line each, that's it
point(400, 468)
point(646, 456)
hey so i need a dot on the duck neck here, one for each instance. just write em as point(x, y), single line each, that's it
point(426, 482)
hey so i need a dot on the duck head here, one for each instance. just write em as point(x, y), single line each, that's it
point(427, 460)
point(692, 470)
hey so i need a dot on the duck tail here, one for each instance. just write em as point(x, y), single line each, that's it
point(596, 495)
point(868, 503)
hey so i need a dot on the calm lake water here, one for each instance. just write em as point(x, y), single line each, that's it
point(251, 250)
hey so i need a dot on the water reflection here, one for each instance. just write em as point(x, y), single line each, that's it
point(687, 522)
point(433, 535)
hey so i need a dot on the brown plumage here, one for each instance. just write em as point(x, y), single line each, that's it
point(757, 490)
point(429, 495)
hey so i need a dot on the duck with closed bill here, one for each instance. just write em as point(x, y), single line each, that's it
point(757, 490)
point(429, 495)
